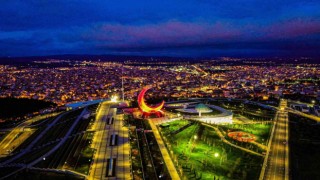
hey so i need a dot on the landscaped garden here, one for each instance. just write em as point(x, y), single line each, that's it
point(174, 126)
point(199, 153)
point(260, 131)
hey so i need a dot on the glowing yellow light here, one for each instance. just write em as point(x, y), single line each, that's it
point(114, 98)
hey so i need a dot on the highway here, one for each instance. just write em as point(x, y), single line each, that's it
point(30, 146)
point(201, 70)
point(276, 165)
point(310, 116)
point(98, 141)
point(19, 134)
point(108, 124)
point(62, 141)
point(14, 139)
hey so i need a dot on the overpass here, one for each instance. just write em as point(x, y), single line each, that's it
point(313, 117)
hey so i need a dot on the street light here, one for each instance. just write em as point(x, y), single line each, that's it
point(114, 98)
point(195, 137)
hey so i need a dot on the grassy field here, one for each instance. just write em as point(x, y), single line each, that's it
point(201, 154)
point(175, 125)
point(84, 162)
point(261, 131)
point(85, 157)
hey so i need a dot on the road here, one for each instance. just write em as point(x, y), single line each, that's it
point(62, 141)
point(19, 134)
point(30, 146)
point(310, 116)
point(104, 150)
point(14, 139)
point(201, 70)
point(276, 165)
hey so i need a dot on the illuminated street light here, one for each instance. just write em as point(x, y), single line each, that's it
point(114, 98)
point(195, 137)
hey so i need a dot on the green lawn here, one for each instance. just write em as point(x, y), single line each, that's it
point(175, 125)
point(209, 157)
point(85, 158)
point(87, 152)
point(84, 161)
point(261, 131)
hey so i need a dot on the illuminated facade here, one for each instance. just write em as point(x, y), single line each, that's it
point(144, 107)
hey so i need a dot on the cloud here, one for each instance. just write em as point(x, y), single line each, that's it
point(146, 27)
point(220, 35)
point(293, 28)
point(171, 33)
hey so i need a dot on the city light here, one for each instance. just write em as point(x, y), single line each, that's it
point(195, 137)
point(200, 90)
point(114, 98)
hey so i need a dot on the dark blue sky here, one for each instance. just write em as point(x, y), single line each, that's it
point(166, 27)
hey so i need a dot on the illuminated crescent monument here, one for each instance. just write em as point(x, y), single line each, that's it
point(144, 107)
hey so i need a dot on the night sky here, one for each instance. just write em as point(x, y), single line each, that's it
point(195, 28)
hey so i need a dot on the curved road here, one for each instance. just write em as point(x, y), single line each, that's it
point(64, 139)
point(29, 148)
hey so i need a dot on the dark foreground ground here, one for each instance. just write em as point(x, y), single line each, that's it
point(304, 148)
point(17, 108)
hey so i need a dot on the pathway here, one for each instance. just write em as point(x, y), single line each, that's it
point(165, 154)
point(227, 142)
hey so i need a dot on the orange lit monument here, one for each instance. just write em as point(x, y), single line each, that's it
point(146, 109)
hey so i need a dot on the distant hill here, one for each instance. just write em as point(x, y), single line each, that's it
point(156, 59)
point(82, 57)
point(12, 108)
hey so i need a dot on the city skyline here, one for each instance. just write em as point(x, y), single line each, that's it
point(162, 90)
point(166, 28)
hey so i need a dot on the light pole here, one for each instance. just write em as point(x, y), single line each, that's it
point(216, 155)
point(195, 137)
